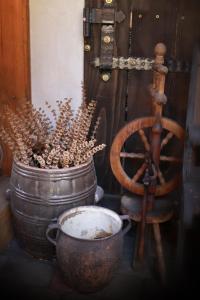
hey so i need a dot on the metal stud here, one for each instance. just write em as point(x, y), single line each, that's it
point(87, 47)
point(140, 16)
point(107, 39)
point(157, 17)
point(105, 76)
point(108, 1)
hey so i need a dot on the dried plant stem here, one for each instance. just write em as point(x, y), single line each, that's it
point(29, 134)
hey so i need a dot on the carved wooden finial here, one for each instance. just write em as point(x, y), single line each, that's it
point(160, 50)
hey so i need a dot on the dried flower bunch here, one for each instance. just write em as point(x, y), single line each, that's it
point(34, 141)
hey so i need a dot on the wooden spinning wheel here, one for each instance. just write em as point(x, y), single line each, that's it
point(163, 187)
point(153, 145)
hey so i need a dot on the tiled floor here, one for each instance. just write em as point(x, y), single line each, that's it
point(23, 277)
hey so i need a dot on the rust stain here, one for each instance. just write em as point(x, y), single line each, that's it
point(102, 234)
point(71, 216)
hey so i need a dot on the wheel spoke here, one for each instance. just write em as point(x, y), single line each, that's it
point(132, 155)
point(170, 159)
point(166, 139)
point(161, 178)
point(139, 172)
point(144, 139)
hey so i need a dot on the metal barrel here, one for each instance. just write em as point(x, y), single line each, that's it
point(39, 196)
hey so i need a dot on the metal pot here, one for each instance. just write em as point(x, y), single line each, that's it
point(89, 243)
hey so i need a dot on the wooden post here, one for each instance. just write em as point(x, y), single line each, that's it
point(158, 97)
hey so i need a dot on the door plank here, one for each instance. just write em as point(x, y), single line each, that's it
point(153, 21)
point(14, 60)
point(110, 95)
point(125, 97)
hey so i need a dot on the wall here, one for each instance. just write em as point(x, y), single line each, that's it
point(56, 42)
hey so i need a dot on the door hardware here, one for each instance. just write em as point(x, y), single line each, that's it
point(142, 63)
point(87, 47)
point(104, 16)
point(105, 76)
point(107, 16)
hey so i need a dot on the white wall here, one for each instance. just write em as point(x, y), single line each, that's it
point(56, 43)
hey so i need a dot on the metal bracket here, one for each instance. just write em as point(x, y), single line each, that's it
point(107, 47)
point(142, 63)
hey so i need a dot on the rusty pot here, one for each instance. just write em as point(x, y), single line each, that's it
point(39, 196)
point(89, 244)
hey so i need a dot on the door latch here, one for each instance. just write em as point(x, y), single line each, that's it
point(107, 16)
point(145, 64)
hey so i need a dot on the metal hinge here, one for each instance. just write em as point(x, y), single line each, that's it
point(104, 16)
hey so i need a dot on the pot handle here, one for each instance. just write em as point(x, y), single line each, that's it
point(128, 227)
point(50, 228)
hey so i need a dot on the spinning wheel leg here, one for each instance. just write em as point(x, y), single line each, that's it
point(159, 250)
point(139, 257)
point(135, 254)
point(162, 212)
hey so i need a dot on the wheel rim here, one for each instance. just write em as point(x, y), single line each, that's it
point(118, 143)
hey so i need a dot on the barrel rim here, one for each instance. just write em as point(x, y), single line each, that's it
point(52, 171)
point(89, 206)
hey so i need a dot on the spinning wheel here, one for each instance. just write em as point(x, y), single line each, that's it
point(158, 172)
point(138, 126)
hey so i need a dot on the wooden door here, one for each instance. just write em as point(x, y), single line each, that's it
point(125, 96)
point(14, 60)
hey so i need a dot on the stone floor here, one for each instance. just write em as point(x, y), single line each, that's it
point(23, 277)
